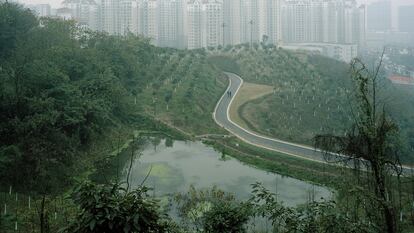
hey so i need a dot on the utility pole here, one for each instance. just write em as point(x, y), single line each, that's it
point(251, 32)
point(223, 25)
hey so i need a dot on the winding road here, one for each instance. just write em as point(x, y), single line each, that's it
point(222, 117)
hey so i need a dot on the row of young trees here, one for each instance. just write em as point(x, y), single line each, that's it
point(379, 203)
point(309, 87)
point(377, 197)
point(62, 87)
point(306, 88)
point(372, 143)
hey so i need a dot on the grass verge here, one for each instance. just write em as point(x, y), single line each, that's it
point(317, 173)
point(247, 92)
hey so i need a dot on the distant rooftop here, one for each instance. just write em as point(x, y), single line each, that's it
point(401, 80)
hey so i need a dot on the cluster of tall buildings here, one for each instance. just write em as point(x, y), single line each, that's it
point(390, 22)
point(390, 15)
point(335, 28)
point(204, 23)
point(322, 21)
point(182, 23)
point(406, 19)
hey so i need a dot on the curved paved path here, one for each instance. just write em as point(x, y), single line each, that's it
point(222, 117)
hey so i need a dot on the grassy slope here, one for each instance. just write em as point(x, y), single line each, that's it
point(313, 95)
point(193, 87)
point(183, 81)
point(300, 88)
point(247, 92)
point(186, 98)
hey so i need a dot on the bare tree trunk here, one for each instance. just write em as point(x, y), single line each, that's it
point(390, 219)
point(42, 215)
point(388, 209)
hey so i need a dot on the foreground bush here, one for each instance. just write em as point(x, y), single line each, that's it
point(213, 211)
point(112, 208)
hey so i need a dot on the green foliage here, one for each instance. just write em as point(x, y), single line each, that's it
point(62, 88)
point(318, 217)
point(213, 210)
point(226, 217)
point(56, 95)
point(371, 142)
point(308, 88)
point(225, 63)
point(111, 208)
point(15, 23)
point(313, 95)
point(6, 221)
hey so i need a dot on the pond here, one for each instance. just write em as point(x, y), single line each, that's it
point(175, 165)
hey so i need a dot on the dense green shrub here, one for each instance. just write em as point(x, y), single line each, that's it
point(226, 217)
point(112, 208)
point(213, 211)
point(64, 88)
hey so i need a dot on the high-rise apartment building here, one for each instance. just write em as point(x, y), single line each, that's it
point(247, 21)
point(79, 9)
point(297, 21)
point(332, 20)
point(232, 16)
point(136, 24)
point(144, 18)
point(168, 23)
point(323, 21)
point(260, 21)
point(114, 16)
point(94, 17)
point(213, 23)
point(195, 25)
point(379, 16)
point(150, 14)
point(42, 10)
point(316, 20)
point(273, 21)
point(354, 24)
point(161, 20)
point(109, 16)
point(181, 6)
point(124, 17)
point(85, 12)
point(64, 13)
point(250, 22)
point(406, 19)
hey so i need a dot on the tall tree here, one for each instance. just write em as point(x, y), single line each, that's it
point(370, 146)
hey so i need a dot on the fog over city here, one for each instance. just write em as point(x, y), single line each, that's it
point(57, 3)
point(347, 26)
point(219, 116)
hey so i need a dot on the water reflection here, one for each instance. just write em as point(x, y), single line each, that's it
point(177, 165)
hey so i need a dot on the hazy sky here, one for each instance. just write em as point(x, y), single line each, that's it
point(56, 3)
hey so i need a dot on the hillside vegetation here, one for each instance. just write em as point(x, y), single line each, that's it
point(69, 98)
point(67, 94)
point(313, 95)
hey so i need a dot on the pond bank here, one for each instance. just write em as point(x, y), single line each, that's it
point(171, 167)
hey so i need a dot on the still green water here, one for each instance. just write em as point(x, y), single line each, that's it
point(177, 165)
